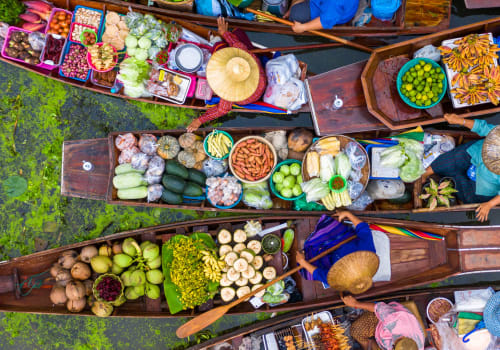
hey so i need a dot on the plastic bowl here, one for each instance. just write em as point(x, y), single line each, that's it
point(340, 190)
point(205, 146)
point(89, 60)
point(406, 68)
point(87, 30)
point(222, 206)
point(271, 182)
point(445, 300)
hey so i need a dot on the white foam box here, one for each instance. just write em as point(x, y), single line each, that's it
point(324, 316)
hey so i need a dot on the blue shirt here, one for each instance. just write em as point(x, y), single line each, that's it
point(487, 182)
point(333, 12)
point(363, 241)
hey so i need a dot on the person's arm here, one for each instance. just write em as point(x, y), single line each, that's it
point(483, 210)
point(301, 260)
point(454, 119)
point(480, 127)
point(351, 301)
point(315, 24)
point(222, 108)
point(348, 215)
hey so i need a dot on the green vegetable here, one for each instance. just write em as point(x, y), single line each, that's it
point(342, 165)
point(133, 193)
point(288, 239)
point(141, 54)
point(392, 157)
point(128, 180)
point(273, 299)
point(131, 42)
point(126, 168)
point(277, 288)
point(197, 177)
point(192, 190)
point(315, 189)
point(173, 167)
point(173, 183)
point(257, 195)
point(412, 169)
point(170, 197)
point(133, 74)
point(10, 11)
point(144, 43)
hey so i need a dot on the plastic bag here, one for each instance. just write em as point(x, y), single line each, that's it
point(342, 165)
point(355, 188)
point(290, 96)
point(36, 40)
point(158, 164)
point(361, 202)
point(151, 178)
point(154, 192)
point(326, 167)
point(4, 28)
point(385, 189)
point(140, 161)
point(148, 145)
point(429, 51)
point(127, 154)
point(214, 167)
point(257, 195)
point(356, 175)
point(392, 157)
point(315, 189)
point(410, 145)
point(279, 141)
point(412, 169)
point(356, 155)
point(449, 338)
point(280, 70)
point(363, 14)
point(132, 19)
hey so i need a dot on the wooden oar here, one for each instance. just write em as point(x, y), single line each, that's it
point(461, 206)
point(209, 317)
point(316, 32)
point(297, 47)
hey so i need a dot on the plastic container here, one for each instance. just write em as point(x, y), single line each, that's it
point(185, 88)
point(103, 30)
point(203, 90)
point(434, 300)
point(52, 13)
point(406, 68)
point(94, 81)
point(192, 51)
point(58, 63)
point(91, 9)
point(73, 24)
point(324, 316)
point(6, 44)
point(339, 190)
point(89, 60)
point(377, 171)
point(385, 9)
point(65, 52)
point(271, 182)
point(87, 30)
point(222, 206)
point(205, 146)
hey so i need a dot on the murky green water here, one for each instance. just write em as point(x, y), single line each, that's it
point(37, 114)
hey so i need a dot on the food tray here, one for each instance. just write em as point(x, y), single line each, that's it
point(6, 43)
point(54, 66)
point(450, 73)
point(93, 81)
point(379, 172)
point(103, 29)
point(52, 13)
point(65, 52)
point(183, 86)
point(92, 9)
point(83, 25)
point(325, 316)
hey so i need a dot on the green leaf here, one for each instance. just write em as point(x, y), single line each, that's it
point(444, 184)
point(15, 186)
point(425, 196)
point(433, 203)
point(206, 238)
point(213, 286)
point(236, 2)
point(173, 296)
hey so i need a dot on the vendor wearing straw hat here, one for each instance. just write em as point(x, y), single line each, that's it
point(320, 14)
point(350, 267)
point(392, 325)
point(483, 155)
point(234, 74)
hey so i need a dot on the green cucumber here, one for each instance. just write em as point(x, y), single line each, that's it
point(170, 197)
point(192, 190)
point(197, 177)
point(288, 240)
point(128, 180)
point(133, 193)
point(173, 183)
point(126, 168)
point(173, 167)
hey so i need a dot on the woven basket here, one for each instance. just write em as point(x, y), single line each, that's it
point(185, 6)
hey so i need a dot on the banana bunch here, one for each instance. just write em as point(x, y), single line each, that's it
point(473, 45)
point(455, 59)
point(466, 78)
point(213, 266)
point(470, 95)
point(492, 84)
point(488, 58)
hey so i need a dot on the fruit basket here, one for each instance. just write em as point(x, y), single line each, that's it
point(286, 177)
point(108, 288)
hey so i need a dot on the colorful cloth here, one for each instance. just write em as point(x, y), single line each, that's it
point(363, 329)
point(225, 106)
point(327, 233)
point(396, 321)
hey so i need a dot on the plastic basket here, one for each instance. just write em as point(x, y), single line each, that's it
point(406, 68)
point(65, 52)
point(6, 44)
point(91, 65)
point(273, 187)
point(70, 34)
point(42, 55)
point(205, 146)
point(52, 13)
point(339, 190)
point(227, 206)
point(92, 9)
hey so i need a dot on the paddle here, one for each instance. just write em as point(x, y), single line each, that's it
point(316, 32)
point(296, 47)
point(209, 317)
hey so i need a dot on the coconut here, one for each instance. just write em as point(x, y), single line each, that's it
point(68, 259)
point(105, 250)
point(88, 287)
point(129, 246)
point(54, 270)
point(63, 277)
point(122, 260)
point(88, 253)
point(76, 305)
point(101, 264)
point(102, 309)
point(117, 248)
point(75, 290)
point(58, 295)
point(154, 276)
point(80, 271)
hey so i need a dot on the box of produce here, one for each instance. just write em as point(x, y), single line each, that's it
point(224, 192)
point(169, 85)
point(104, 79)
point(17, 47)
point(286, 179)
point(53, 49)
point(74, 63)
point(59, 22)
point(471, 64)
point(77, 29)
point(322, 332)
point(330, 156)
point(421, 83)
point(218, 144)
point(88, 16)
point(114, 30)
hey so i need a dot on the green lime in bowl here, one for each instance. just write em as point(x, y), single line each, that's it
point(271, 244)
point(286, 179)
point(421, 83)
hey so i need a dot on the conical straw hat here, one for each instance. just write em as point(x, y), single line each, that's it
point(491, 151)
point(233, 74)
point(405, 344)
point(354, 272)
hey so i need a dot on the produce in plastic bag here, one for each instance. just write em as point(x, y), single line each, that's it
point(280, 70)
point(134, 74)
point(132, 19)
point(257, 195)
point(36, 40)
point(315, 189)
point(140, 161)
point(412, 169)
point(385, 189)
point(214, 167)
point(290, 96)
point(173, 32)
point(127, 154)
point(356, 155)
point(356, 175)
point(151, 177)
point(355, 188)
point(157, 163)
point(326, 167)
point(153, 51)
point(279, 141)
point(154, 192)
point(392, 157)
point(147, 144)
point(125, 141)
point(342, 165)
point(363, 201)
point(223, 191)
point(429, 51)
point(412, 146)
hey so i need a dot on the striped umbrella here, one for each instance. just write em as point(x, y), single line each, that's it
point(407, 232)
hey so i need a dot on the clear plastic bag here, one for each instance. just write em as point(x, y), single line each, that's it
point(429, 51)
point(140, 161)
point(157, 164)
point(355, 188)
point(355, 175)
point(362, 202)
point(127, 154)
point(356, 155)
point(214, 167)
point(4, 28)
point(257, 195)
point(147, 144)
point(151, 178)
point(132, 19)
point(36, 40)
point(161, 42)
point(280, 70)
point(385, 189)
point(154, 192)
point(290, 96)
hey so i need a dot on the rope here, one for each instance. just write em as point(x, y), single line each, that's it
point(28, 283)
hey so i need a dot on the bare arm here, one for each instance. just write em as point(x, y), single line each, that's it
point(315, 24)
point(302, 262)
point(454, 119)
point(348, 215)
point(349, 300)
point(483, 210)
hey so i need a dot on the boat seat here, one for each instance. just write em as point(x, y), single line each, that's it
point(410, 305)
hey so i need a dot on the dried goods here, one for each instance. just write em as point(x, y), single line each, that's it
point(252, 159)
point(88, 17)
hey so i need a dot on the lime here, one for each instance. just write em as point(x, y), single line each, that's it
point(296, 190)
point(289, 181)
point(429, 80)
point(435, 99)
point(420, 88)
point(278, 177)
point(278, 187)
point(410, 79)
point(422, 63)
point(286, 192)
point(441, 76)
point(295, 169)
point(427, 67)
point(419, 96)
point(285, 170)
point(426, 89)
point(408, 87)
point(427, 103)
point(420, 73)
point(413, 99)
point(430, 94)
point(299, 179)
point(424, 97)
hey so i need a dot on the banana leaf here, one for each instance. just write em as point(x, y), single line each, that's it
point(206, 239)
point(172, 292)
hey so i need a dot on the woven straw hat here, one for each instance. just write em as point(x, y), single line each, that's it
point(354, 272)
point(233, 74)
point(491, 151)
point(405, 344)
point(491, 314)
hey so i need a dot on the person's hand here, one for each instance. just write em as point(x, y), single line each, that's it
point(287, 13)
point(343, 215)
point(349, 300)
point(195, 124)
point(222, 25)
point(298, 27)
point(482, 211)
point(454, 119)
point(300, 258)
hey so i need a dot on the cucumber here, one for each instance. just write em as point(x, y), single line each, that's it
point(170, 197)
point(173, 167)
point(173, 183)
point(133, 193)
point(128, 180)
point(192, 190)
point(197, 177)
point(288, 239)
point(256, 279)
point(224, 236)
point(257, 262)
point(224, 249)
point(238, 248)
point(239, 236)
point(227, 294)
point(126, 168)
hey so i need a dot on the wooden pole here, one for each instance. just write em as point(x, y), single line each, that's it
point(296, 47)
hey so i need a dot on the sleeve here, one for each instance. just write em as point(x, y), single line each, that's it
point(320, 275)
point(363, 231)
point(329, 17)
point(222, 108)
point(481, 127)
point(382, 310)
point(233, 41)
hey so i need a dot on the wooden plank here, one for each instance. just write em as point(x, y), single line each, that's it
point(345, 83)
point(481, 4)
point(77, 182)
point(474, 237)
point(480, 260)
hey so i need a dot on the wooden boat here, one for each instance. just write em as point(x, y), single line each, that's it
point(291, 323)
point(122, 7)
point(414, 262)
point(411, 18)
point(481, 4)
point(102, 154)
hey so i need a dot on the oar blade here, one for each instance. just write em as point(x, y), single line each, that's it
point(202, 321)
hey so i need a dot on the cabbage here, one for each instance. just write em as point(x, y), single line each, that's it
point(273, 299)
point(133, 74)
point(141, 54)
point(315, 189)
point(277, 288)
point(257, 195)
point(343, 165)
point(134, 91)
point(326, 167)
point(144, 43)
point(412, 169)
point(130, 41)
point(131, 51)
point(392, 157)
point(413, 146)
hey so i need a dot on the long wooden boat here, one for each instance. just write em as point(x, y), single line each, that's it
point(123, 8)
point(481, 4)
point(413, 17)
point(414, 262)
point(102, 154)
point(291, 323)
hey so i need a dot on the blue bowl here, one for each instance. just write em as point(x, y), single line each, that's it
point(271, 182)
point(406, 68)
point(227, 206)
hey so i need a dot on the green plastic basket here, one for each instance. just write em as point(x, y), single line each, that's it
point(410, 65)
point(205, 147)
point(333, 178)
point(271, 182)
